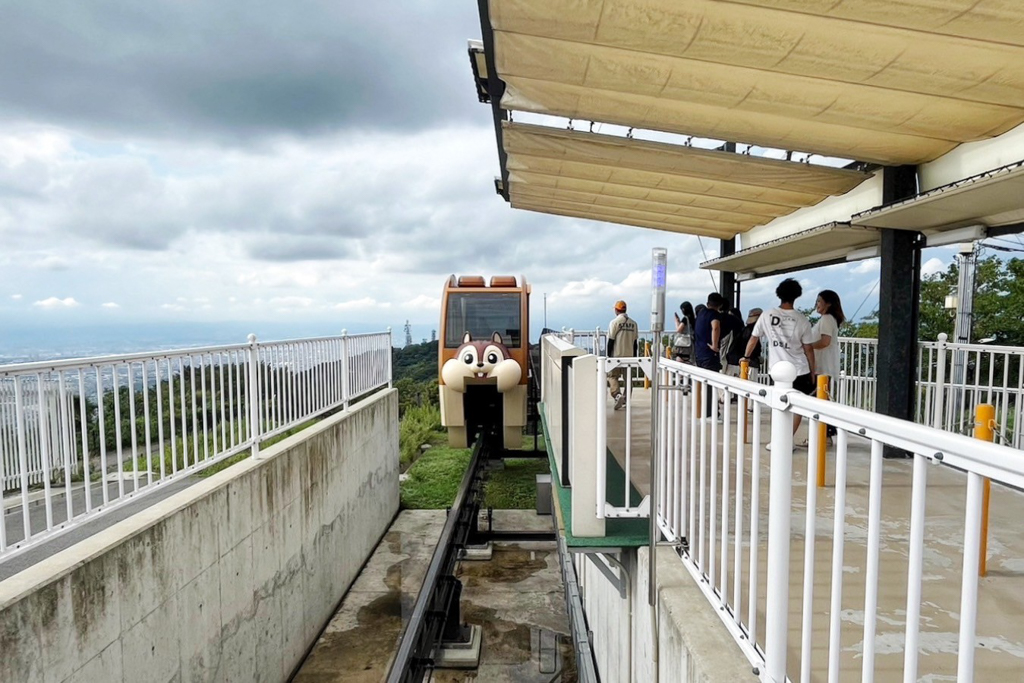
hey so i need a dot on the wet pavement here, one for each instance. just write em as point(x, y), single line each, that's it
point(516, 597)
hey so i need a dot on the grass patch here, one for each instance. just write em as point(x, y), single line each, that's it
point(515, 486)
point(188, 447)
point(433, 480)
point(420, 425)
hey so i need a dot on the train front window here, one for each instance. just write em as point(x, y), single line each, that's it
point(482, 315)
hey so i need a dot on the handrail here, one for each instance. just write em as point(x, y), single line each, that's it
point(97, 432)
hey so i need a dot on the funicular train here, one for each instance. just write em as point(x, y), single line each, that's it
point(483, 358)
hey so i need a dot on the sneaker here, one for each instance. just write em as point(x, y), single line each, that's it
point(801, 444)
point(620, 401)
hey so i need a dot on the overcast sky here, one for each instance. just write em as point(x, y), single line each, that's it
point(307, 161)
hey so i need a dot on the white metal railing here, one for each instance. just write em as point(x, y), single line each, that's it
point(80, 437)
point(631, 371)
point(710, 496)
point(972, 374)
point(748, 551)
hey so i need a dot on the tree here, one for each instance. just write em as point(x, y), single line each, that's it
point(998, 304)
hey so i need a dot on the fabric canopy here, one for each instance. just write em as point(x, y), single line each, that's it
point(658, 185)
point(887, 82)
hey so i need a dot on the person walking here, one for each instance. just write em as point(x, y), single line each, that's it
point(682, 345)
point(707, 339)
point(787, 334)
point(622, 339)
point(732, 345)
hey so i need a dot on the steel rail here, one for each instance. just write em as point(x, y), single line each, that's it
point(431, 610)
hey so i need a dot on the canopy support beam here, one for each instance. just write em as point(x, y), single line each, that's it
point(728, 281)
point(495, 89)
point(898, 305)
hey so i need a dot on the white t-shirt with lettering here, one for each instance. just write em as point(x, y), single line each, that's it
point(783, 332)
point(826, 360)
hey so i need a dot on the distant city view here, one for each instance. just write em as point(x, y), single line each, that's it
point(29, 344)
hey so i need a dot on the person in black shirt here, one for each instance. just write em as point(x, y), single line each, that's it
point(707, 334)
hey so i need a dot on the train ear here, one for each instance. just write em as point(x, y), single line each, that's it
point(467, 338)
point(496, 337)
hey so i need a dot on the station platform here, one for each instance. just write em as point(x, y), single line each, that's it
point(1000, 652)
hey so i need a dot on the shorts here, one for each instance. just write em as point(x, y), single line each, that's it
point(710, 363)
point(805, 384)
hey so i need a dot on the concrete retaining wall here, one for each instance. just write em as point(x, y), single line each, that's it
point(231, 579)
point(694, 645)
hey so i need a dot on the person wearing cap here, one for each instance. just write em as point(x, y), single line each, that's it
point(622, 339)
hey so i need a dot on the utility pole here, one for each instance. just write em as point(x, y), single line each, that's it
point(967, 264)
point(408, 333)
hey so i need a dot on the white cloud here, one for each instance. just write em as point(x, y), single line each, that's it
point(52, 263)
point(932, 266)
point(54, 302)
point(423, 301)
point(356, 304)
point(284, 302)
point(172, 307)
point(111, 304)
point(16, 297)
point(870, 265)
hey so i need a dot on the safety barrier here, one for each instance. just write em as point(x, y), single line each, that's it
point(954, 376)
point(747, 551)
point(81, 437)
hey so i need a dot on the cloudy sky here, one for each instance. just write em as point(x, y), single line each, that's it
point(316, 163)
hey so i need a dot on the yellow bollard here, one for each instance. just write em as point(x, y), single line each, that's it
point(744, 374)
point(822, 431)
point(647, 353)
point(984, 421)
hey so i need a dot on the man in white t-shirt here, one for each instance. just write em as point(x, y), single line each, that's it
point(786, 334)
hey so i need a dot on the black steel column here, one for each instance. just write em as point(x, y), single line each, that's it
point(728, 285)
point(898, 306)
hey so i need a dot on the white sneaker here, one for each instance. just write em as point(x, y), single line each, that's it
point(620, 401)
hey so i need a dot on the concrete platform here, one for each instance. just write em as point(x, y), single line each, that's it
point(361, 638)
point(516, 598)
point(1000, 652)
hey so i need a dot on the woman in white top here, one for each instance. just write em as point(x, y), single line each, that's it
point(826, 334)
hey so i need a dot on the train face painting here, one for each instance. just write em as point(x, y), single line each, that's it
point(482, 358)
point(477, 360)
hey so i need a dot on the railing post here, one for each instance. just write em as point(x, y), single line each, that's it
point(390, 369)
point(254, 396)
point(601, 451)
point(984, 419)
point(344, 370)
point(779, 511)
point(940, 383)
point(822, 431)
point(744, 374)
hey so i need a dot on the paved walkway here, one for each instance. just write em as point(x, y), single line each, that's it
point(1000, 652)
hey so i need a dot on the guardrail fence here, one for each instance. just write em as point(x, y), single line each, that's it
point(80, 437)
point(742, 505)
point(969, 374)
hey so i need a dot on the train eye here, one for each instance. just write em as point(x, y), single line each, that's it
point(468, 359)
point(492, 358)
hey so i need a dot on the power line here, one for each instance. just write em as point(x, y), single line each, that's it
point(711, 275)
point(854, 316)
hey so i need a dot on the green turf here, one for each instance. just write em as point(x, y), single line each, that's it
point(433, 480)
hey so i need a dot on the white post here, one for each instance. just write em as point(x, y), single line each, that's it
point(390, 369)
point(344, 369)
point(779, 510)
point(600, 453)
point(969, 580)
point(940, 383)
point(254, 396)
